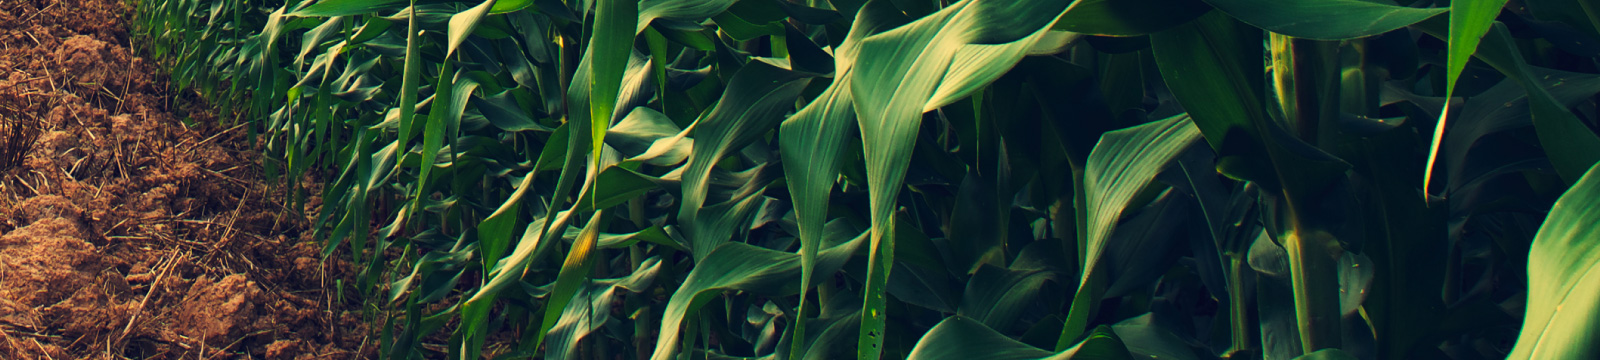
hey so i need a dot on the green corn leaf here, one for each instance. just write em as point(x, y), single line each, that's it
point(742, 267)
point(614, 186)
point(1570, 144)
point(758, 95)
point(810, 143)
point(1469, 21)
point(1129, 17)
point(495, 231)
point(1324, 19)
point(643, 126)
point(574, 273)
point(591, 308)
point(409, 80)
point(959, 337)
point(1563, 309)
point(1208, 65)
point(462, 24)
point(686, 10)
point(331, 8)
point(1147, 338)
point(610, 48)
point(1581, 15)
point(1119, 167)
point(996, 297)
point(510, 6)
point(904, 72)
point(449, 102)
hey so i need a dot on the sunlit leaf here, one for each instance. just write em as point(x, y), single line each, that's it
point(1561, 317)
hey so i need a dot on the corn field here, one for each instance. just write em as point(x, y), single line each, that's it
point(928, 179)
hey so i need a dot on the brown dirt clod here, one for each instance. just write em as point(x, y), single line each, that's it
point(123, 235)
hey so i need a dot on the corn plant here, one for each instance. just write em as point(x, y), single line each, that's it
point(929, 179)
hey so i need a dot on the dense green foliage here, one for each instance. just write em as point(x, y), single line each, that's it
point(975, 179)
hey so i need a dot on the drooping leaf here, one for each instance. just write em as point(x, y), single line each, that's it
point(758, 96)
point(958, 337)
point(591, 308)
point(1469, 21)
point(1121, 164)
point(738, 266)
point(686, 10)
point(462, 24)
point(810, 143)
point(995, 297)
point(900, 74)
point(1324, 19)
point(1128, 17)
point(574, 272)
point(331, 8)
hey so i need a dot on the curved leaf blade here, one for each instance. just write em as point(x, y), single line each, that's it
point(897, 77)
point(958, 337)
point(1120, 166)
point(1469, 21)
point(1324, 19)
point(743, 267)
point(1563, 313)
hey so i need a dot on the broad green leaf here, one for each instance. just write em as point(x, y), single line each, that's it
point(1355, 279)
point(462, 24)
point(495, 232)
point(1121, 165)
point(1128, 17)
point(1324, 19)
point(574, 272)
point(409, 80)
point(654, 235)
point(612, 187)
point(742, 267)
point(1148, 338)
point(450, 101)
point(958, 337)
point(1563, 307)
point(1581, 15)
point(975, 231)
point(610, 49)
point(640, 129)
point(757, 98)
point(689, 10)
point(1571, 145)
point(1136, 253)
point(997, 297)
point(509, 6)
point(1469, 21)
point(591, 308)
point(331, 8)
point(831, 332)
point(900, 74)
point(810, 143)
point(1212, 65)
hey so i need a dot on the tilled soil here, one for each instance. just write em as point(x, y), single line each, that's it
point(127, 234)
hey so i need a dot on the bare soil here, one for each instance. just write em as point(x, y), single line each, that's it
point(127, 234)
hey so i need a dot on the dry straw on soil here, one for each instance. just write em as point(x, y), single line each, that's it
point(17, 135)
